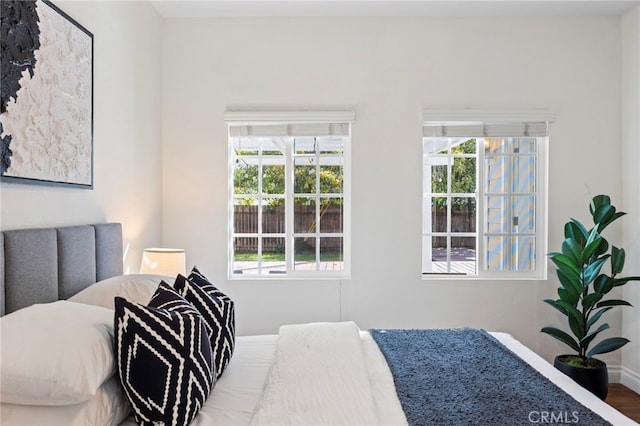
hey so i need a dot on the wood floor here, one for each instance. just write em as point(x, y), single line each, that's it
point(624, 400)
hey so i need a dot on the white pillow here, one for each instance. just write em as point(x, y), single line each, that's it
point(136, 288)
point(55, 354)
point(108, 407)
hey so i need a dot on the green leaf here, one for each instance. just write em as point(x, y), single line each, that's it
point(565, 263)
point(622, 281)
point(617, 260)
point(555, 304)
point(595, 317)
point(571, 282)
point(603, 284)
point(590, 249)
point(576, 327)
point(568, 296)
point(576, 230)
point(593, 270)
point(599, 201)
point(603, 213)
point(610, 220)
point(586, 340)
point(593, 235)
point(607, 345)
point(562, 336)
point(613, 302)
point(589, 300)
point(572, 249)
point(572, 312)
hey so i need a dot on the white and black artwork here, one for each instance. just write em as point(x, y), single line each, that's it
point(46, 116)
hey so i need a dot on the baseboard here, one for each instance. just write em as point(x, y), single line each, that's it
point(630, 379)
point(615, 373)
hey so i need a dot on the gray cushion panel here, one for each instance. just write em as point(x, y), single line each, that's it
point(76, 259)
point(108, 250)
point(31, 267)
point(1, 274)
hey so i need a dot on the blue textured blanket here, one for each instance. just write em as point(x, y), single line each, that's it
point(466, 376)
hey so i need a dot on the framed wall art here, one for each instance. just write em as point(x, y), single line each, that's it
point(46, 116)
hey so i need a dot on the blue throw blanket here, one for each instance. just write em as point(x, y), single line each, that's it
point(455, 377)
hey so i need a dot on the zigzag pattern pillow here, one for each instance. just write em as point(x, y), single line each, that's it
point(164, 358)
point(218, 312)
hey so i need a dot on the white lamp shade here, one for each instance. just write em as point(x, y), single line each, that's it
point(163, 261)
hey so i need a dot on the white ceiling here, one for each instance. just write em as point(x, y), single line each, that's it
point(433, 8)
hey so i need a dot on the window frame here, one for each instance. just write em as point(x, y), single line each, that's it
point(431, 116)
point(292, 118)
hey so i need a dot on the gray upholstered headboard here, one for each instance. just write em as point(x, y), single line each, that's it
point(47, 264)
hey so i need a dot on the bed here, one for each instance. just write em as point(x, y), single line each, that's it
point(337, 373)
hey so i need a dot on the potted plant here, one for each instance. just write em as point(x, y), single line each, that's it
point(580, 266)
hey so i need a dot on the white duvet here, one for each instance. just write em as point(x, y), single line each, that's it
point(318, 376)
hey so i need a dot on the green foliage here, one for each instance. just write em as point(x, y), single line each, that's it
point(579, 266)
point(463, 177)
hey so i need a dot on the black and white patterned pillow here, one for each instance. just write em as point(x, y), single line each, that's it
point(218, 311)
point(164, 358)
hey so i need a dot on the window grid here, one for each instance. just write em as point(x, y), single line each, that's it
point(316, 160)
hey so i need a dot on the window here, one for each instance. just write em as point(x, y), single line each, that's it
point(289, 194)
point(484, 199)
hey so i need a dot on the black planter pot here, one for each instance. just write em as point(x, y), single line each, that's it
point(595, 380)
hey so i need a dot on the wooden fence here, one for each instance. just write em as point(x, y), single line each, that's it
point(273, 222)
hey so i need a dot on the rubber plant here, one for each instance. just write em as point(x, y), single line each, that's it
point(580, 267)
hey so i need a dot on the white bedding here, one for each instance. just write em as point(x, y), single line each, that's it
point(238, 390)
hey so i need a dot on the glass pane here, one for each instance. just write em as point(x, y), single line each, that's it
point(273, 256)
point(302, 145)
point(524, 174)
point(438, 214)
point(496, 145)
point(304, 216)
point(497, 220)
point(304, 256)
point(245, 178)
point(524, 215)
point(525, 145)
point(305, 176)
point(439, 258)
point(245, 255)
point(273, 179)
point(433, 146)
point(524, 253)
point(331, 175)
point(331, 250)
point(439, 175)
point(497, 253)
point(466, 147)
point(245, 218)
point(331, 215)
point(463, 214)
point(246, 145)
point(463, 178)
point(273, 147)
point(495, 170)
point(463, 255)
point(273, 216)
point(330, 144)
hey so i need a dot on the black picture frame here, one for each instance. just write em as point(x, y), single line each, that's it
point(46, 120)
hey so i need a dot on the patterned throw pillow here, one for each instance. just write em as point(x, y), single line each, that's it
point(164, 358)
point(218, 312)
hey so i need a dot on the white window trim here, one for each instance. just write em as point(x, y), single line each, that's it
point(278, 117)
point(503, 115)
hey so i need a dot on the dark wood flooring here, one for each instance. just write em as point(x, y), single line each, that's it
point(624, 400)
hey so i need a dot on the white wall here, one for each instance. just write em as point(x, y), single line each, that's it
point(127, 134)
point(631, 180)
point(387, 69)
